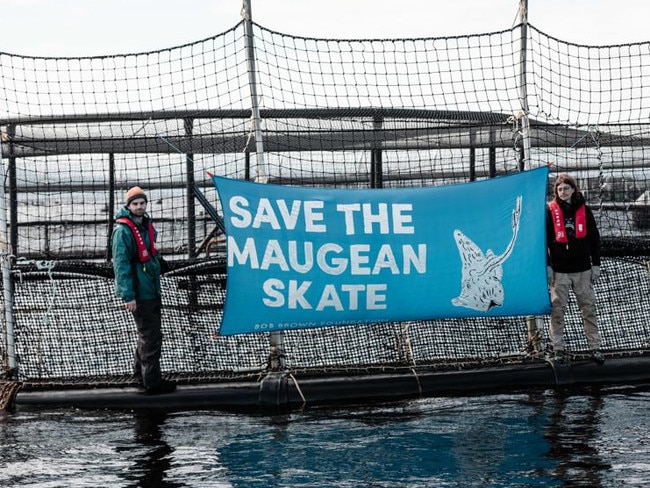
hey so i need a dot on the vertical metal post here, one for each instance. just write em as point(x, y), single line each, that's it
point(6, 256)
point(534, 324)
point(524, 162)
point(111, 204)
point(189, 193)
point(472, 154)
point(376, 156)
point(472, 164)
point(13, 193)
point(276, 339)
point(188, 124)
point(492, 155)
point(376, 180)
point(492, 161)
point(260, 169)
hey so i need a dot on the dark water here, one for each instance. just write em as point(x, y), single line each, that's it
point(593, 438)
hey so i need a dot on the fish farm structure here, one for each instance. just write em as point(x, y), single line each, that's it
point(254, 104)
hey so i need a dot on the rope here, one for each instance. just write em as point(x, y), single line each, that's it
point(517, 133)
point(8, 392)
point(251, 133)
point(410, 357)
point(417, 379)
point(295, 382)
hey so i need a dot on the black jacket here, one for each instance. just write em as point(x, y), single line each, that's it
point(576, 255)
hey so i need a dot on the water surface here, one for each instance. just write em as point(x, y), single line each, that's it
point(592, 437)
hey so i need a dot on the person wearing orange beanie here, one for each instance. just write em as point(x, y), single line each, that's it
point(137, 267)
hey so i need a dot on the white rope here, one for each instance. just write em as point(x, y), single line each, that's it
point(591, 129)
point(408, 346)
point(146, 123)
point(251, 132)
point(517, 131)
point(417, 379)
point(295, 382)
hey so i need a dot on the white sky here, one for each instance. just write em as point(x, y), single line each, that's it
point(98, 27)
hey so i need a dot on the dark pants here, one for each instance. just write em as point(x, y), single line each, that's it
point(146, 365)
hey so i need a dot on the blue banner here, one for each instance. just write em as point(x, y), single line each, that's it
point(314, 257)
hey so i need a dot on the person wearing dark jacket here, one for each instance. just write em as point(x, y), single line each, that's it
point(137, 268)
point(573, 245)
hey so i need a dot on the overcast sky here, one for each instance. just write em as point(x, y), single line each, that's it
point(98, 27)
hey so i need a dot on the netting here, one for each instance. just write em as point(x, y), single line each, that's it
point(76, 132)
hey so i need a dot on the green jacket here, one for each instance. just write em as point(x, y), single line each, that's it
point(133, 279)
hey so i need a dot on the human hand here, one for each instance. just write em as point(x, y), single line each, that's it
point(550, 275)
point(595, 274)
point(131, 306)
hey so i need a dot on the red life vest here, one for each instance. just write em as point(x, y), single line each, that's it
point(143, 252)
point(558, 222)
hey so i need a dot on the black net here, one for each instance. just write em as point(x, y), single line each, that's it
point(77, 132)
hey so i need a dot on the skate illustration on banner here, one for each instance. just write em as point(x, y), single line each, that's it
point(481, 285)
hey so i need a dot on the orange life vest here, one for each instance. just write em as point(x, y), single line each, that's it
point(143, 252)
point(558, 222)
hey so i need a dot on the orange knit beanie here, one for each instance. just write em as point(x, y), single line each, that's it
point(133, 193)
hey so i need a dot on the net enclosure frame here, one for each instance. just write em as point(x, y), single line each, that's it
point(375, 113)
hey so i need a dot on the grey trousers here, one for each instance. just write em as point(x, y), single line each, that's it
point(146, 363)
point(581, 285)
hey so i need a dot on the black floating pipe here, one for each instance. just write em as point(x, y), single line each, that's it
point(283, 390)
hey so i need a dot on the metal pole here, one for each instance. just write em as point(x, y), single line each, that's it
point(260, 170)
point(111, 204)
point(523, 86)
point(13, 192)
point(189, 193)
point(376, 167)
point(6, 255)
point(276, 339)
point(534, 324)
point(472, 155)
